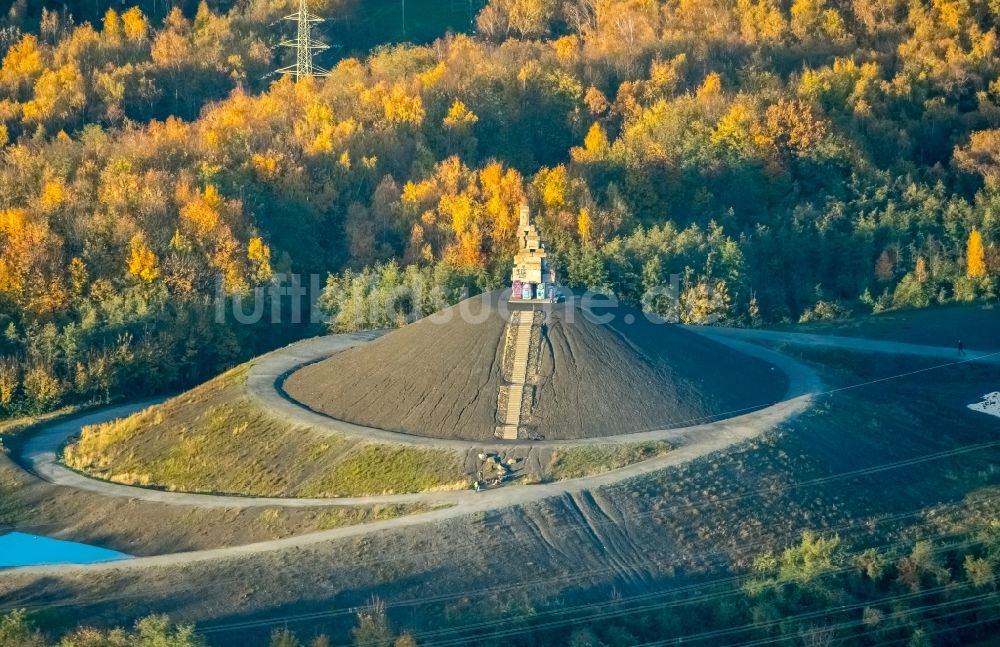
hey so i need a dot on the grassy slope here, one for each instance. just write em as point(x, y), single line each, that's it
point(977, 326)
point(215, 439)
point(588, 460)
point(139, 528)
point(142, 528)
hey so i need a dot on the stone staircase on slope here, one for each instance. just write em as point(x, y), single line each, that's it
point(518, 375)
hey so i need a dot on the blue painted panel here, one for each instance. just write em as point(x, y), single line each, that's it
point(21, 549)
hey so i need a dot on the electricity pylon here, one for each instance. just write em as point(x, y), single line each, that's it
point(304, 45)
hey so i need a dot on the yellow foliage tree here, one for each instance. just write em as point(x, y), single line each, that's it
point(813, 19)
point(711, 88)
point(665, 76)
point(760, 21)
point(29, 256)
point(705, 302)
point(460, 208)
point(975, 255)
point(112, 26)
point(459, 115)
point(402, 108)
point(793, 127)
point(432, 77)
point(418, 193)
point(53, 194)
point(78, 275)
point(503, 193)
point(469, 250)
point(567, 49)
point(9, 375)
point(554, 187)
point(735, 131)
point(583, 225)
point(259, 255)
point(134, 24)
point(224, 258)
point(42, 387)
point(142, 263)
point(22, 64)
point(58, 94)
point(981, 155)
point(597, 103)
point(596, 141)
point(201, 211)
point(595, 145)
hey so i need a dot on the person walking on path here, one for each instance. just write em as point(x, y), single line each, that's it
point(961, 348)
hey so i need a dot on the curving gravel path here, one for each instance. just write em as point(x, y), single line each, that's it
point(856, 344)
point(39, 454)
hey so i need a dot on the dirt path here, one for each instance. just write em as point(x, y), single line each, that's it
point(39, 454)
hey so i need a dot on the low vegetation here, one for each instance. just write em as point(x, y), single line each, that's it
point(818, 591)
point(975, 325)
point(216, 439)
point(144, 528)
point(821, 592)
point(587, 460)
point(18, 630)
point(390, 469)
point(15, 426)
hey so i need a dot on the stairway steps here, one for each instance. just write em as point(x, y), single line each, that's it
point(519, 368)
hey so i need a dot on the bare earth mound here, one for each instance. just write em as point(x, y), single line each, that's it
point(440, 376)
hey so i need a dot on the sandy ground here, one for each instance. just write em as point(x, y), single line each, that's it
point(440, 376)
point(990, 404)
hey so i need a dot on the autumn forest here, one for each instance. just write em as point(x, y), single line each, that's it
point(789, 160)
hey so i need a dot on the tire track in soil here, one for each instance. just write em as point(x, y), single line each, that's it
point(607, 534)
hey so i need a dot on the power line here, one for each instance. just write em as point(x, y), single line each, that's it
point(565, 529)
point(692, 588)
point(304, 45)
point(685, 596)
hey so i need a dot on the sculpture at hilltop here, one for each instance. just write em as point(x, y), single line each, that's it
point(532, 279)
